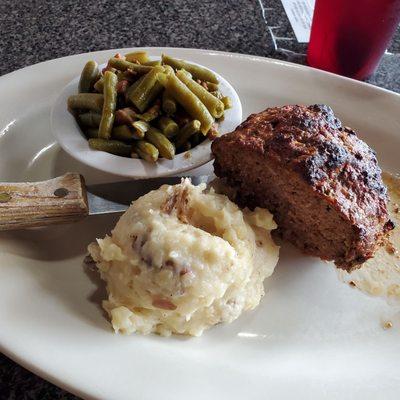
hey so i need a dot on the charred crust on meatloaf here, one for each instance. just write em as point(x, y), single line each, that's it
point(312, 142)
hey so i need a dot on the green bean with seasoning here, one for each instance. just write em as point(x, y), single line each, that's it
point(99, 85)
point(163, 145)
point(168, 126)
point(124, 133)
point(196, 71)
point(123, 65)
point(214, 106)
point(146, 150)
point(227, 102)
point(90, 119)
point(86, 101)
point(152, 63)
point(88, 77)
point(186, 132)
point(146, 91)
point(139, 56)
point(140, 127)
point(168, 103)
point(111, 146)
point(109, 106)
point(190, 102)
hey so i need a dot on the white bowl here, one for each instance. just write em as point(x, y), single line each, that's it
point(71, 139)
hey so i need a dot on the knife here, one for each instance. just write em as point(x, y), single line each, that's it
point(67, 199)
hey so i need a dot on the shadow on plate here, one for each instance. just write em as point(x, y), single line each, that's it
point(63, 163)
point(59, 242)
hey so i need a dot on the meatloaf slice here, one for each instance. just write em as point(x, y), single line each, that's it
point(321, 182)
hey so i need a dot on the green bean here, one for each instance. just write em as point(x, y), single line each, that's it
point(197, 71)
point(168, 126)
point(92, 132)
point(99, 85)
point(140, 127)
point(212, 87)
point(123, 133)
point(90, 119)
point(168, 70)
point(86, 101)
point(111, 146)
point(227, 102)
point(190, 102)
point(123, 65)
point(89, 75)
point(163, 145)
point(155, 91)
point(110, 103)
point(186, 132)
point(140, 56)
point(214, 105)
point(168, 103)
point(133, 87)
point(153, 63)
point(217, 94)
point(146, 150)
point(146, 91)
point(162, 78)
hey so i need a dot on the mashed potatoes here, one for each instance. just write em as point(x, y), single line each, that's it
point(182, 259)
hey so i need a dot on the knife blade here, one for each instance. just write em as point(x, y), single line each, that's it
point(66, 199)
point(117, 196)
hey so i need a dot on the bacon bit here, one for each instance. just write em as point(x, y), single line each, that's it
point(130, 74)
point(170, 263)
point(136, 270)
point(184, 271)
point(390, 248)
point(213, 132)
point(125, 116)
point(122, 86)
point(178, 201)
point(119, 55)
point(107, 68)
point(164, 304)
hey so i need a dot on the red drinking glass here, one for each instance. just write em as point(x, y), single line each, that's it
point(349, 37)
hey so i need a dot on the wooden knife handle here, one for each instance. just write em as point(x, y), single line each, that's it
point(56, 201)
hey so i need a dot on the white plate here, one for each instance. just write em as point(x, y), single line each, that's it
point(312, 337)
point(72, 140)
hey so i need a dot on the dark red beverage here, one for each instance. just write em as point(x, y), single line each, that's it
point(349, 37)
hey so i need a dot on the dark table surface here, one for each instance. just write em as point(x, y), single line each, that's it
point(39, 30)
